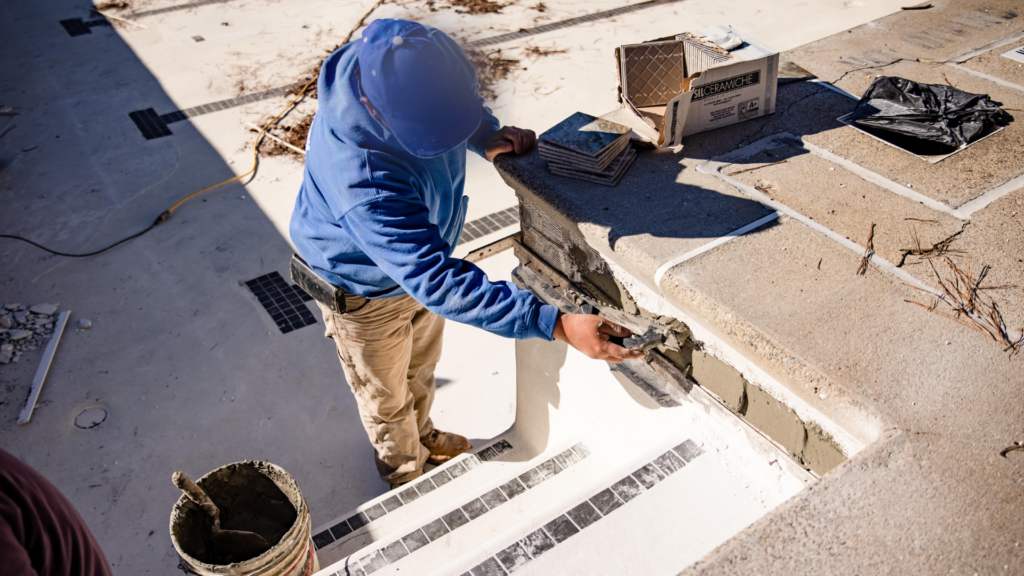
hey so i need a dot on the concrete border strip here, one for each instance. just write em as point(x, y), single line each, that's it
point(833, 88)
point(971, 206)
point(992, 79)
point(44, 368)
point(876, 178)
point(710, 245)
point(987, 48)
point(714, 167)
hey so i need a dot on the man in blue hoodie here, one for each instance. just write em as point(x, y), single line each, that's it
point(380, 208)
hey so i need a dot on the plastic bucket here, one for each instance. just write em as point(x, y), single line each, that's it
point(255, 496)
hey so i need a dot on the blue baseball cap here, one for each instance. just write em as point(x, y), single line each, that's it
point(421, 83)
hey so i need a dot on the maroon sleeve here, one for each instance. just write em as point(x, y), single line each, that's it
point(14, 556)
point(41, 533)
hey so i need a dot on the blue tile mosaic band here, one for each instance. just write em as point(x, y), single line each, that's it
point(514, 556)
point(587, 513)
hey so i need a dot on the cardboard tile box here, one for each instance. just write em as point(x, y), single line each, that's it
point(687, 84)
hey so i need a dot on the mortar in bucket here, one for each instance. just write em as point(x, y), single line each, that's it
point(253, 496)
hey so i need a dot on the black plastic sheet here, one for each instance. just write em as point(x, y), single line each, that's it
point(925, 118)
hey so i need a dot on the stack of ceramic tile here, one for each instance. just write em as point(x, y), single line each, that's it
point(587, 148)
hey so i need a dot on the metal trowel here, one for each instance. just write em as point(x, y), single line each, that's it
point(239, 544)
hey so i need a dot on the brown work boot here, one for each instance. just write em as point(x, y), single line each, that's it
point(444, 446)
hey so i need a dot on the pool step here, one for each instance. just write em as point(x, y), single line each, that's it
point(599, 474)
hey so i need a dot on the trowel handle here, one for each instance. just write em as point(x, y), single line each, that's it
point(196, 494)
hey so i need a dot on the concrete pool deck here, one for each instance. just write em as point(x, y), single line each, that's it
point(194, 373)
point(934, 491)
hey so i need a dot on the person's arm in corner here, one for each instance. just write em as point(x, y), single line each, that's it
point(13, 554)
point(395, 232)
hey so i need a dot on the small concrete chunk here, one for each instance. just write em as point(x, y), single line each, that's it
point(44, 309)
point(84, 324)
point(15, 335)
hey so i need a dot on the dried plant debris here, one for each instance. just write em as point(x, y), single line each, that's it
point(965, 300)
point(294, 134)
point(536, 52)
point(491, 67)
point(869, 250)
point(937, 250)
point(472, 7)
point(113, 6)
point(540, 7)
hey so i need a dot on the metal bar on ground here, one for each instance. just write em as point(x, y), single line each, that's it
point(44, 368)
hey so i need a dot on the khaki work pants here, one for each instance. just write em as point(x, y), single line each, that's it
point(388, 349)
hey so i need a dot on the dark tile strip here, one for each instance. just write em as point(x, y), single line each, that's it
point(149, 123)
point(589, 512)
point(188, 6)
point(494, 450)
point(153, 125)
point(78, 27)
point(489, 224)
point(414, 490)
point(75, 27)
point(527, 32)
point(509, 558)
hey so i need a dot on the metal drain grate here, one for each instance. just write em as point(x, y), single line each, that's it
point(286, 303)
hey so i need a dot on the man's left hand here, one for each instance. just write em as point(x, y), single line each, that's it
point(509, 139)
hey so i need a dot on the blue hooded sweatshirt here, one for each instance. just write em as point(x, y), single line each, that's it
point(380, 222)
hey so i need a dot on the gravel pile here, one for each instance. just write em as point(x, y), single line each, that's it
point(23, 329)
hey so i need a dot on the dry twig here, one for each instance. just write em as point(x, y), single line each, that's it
point(754, 168)
point(868, 251)
point(940, 248)
point(964, 301)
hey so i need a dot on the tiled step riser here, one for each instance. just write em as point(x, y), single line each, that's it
point(343, 536)
point(587, 513)
point(461, 518)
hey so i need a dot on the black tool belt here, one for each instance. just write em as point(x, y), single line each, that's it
point(319, 289)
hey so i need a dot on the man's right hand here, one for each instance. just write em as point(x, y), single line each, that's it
point(590, 334)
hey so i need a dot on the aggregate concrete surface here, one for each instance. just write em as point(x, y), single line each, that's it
point(934, 492)
point(193, 374)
